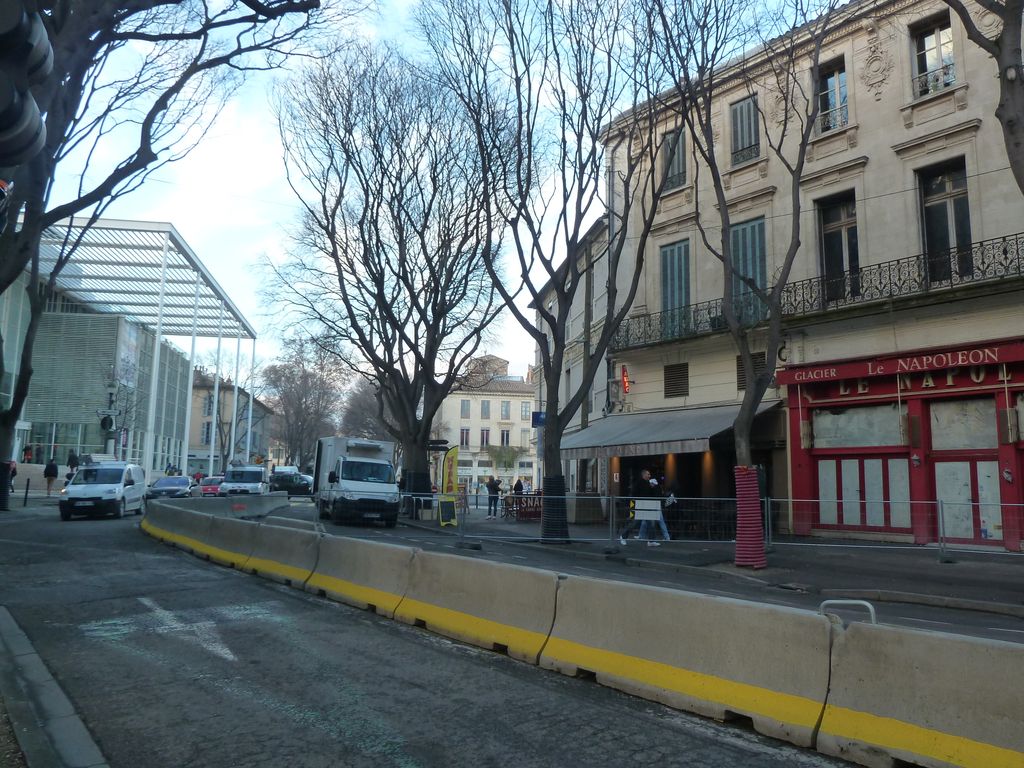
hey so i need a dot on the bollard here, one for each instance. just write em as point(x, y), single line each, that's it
point(28, 482)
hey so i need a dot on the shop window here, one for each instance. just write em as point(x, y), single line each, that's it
point(964, 424)
point(840, 259)
point(677, 380)
point(947, 221)
point(857, 427)
point(760, 364)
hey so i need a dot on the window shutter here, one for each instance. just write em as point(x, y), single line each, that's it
point(760, 363)
point(677, 380)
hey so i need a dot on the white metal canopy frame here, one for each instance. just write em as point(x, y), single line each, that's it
point(147, 273)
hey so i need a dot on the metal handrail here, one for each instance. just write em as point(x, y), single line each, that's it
point(859, 603)
point(984, 261)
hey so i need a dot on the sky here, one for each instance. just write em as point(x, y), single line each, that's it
point(230, 202)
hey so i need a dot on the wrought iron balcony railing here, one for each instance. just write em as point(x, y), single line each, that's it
point(984, 261)
point(936, 80)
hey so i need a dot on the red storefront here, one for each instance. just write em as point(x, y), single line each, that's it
point(878, 446)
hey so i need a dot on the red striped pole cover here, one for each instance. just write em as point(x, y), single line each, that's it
point(749, 530)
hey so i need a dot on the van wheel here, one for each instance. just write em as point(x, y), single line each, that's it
point(142, 507)
point(65, 514)
point(120, 509)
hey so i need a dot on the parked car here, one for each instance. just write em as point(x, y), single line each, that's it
point(174, 487)
point(210, 486)
point(292, 482)
point(244, 479)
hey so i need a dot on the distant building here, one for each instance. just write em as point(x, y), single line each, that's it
point(214, 432)
point(489, 417)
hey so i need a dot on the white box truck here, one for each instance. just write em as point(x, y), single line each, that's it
point(354, 481)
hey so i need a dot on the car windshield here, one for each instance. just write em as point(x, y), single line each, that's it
point(213, 480)
point(243, 476)
point(171, 482)
point(367, 471)
point(98, 476)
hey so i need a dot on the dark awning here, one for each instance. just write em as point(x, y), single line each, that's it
point(686, 430)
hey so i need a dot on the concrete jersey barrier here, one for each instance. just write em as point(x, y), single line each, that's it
point(492, 605)
point(235, 506)
point(715, 656)
point(288, 522)
point(231, 542)
point(286, 555)
point(366, 574)
point(926, 698)
point(184, 529)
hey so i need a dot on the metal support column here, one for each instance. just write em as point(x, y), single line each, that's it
point(215, 414)
point(234, 400)
point(252, 386)
point(191, 382)
point(150, 436)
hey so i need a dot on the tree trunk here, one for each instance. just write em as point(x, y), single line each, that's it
point(415, 476)
point(750, 550)
point(1010, 114)
point(5, 485)
point(554, 523)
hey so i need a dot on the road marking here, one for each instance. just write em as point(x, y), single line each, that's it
point(1000, 629)
point(203, 632)
point(925, 621)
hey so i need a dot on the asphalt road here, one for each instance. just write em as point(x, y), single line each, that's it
point(172, 661)
point(706, 580)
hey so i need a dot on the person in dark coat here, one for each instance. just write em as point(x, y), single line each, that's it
point(50, 473)
point(493, 489)
point(72, 460)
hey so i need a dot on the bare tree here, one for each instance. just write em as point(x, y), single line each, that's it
point(704, 42)
point(133, 87)
point(361, 415)
point(557, 94)
point(395, 233)
point(305, 387)
point(995, 26)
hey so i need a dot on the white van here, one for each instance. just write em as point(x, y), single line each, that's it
point(244, 479)
point(110, 487)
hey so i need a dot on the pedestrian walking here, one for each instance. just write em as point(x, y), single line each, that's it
point(517, 495)
point(72, 460)
point(655, 490)
point(493, 489)
point(26, 455)
point(50, 474)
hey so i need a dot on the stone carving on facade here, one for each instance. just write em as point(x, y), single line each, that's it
point(878, 63)
point(988, 23)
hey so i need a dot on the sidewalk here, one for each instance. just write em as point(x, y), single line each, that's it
point(832, 568)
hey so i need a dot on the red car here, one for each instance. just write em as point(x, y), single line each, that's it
point(209, 486)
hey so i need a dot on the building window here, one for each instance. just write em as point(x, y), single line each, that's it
point(465, 409)
point(524, 438)
point(464, 437)
point(760, 365)
point(506, 410)
point(485, 438)
point(525, 410)
point(506, 438)
point(833, 111)
point(748, 257)
point(208, 405)
point(207, 429)
point(485, 409)
point(675, 275)
point(746, 136)
point(934, 69)
point(947, 221)
point(674, 149)
point(839, 252)
point(677, 380)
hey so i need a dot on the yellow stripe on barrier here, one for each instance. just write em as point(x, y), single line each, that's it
point(784, 707)
point(194, 544)
point(484, 631)
point(887, 732)
point(272, 566)
point(368, 595)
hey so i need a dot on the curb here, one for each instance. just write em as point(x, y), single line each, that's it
point(49, 732)
point(937, 601)
point(709, 570)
